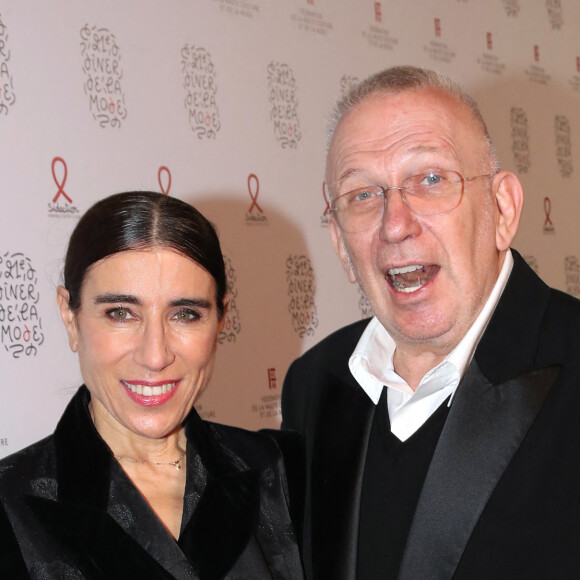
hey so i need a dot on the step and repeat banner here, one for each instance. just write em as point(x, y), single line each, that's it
point(223, 103)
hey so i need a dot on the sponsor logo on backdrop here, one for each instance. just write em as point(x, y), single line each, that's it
point(311, 21)
point(20, 323)
point(437, 49)
point(61, 204)
point(301, 290)
point(164, 179)
point(376, 34)
point(325, 217)
point(532, 263)
point(268, 406)
point(535, 72)
point(232, 325)
point(555, 16)
point(7, 95)
point(347, 82)
point(363, 304)
point(272, 382)
point(572, 271)
point(284, 104)
point(488, 61)
point(512, 7)
point(255, 215)
point(563, 145)
point(548, 224)
point(199, 82)
point(101, 60)
point(575, 79)
point(520, 139)
point(242, 8)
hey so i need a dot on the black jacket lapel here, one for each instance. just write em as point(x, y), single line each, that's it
point(223, 522)
point(92, 540)
point(484, 429)
point(338, 459)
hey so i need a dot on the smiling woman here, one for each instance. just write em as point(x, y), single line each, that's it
point(133, 482)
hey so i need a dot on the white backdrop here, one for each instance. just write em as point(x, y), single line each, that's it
point(223, 103)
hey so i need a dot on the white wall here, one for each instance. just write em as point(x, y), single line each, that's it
point(190, 93)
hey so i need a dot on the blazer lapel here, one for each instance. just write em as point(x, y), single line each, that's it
point(225, 518)
point(77, 519)
point(338, 459)
point(484, 429)
point(95, 543)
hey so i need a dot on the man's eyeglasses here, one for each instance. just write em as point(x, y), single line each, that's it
point(429, 193)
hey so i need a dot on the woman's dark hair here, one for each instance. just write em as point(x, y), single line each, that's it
point(139, 220)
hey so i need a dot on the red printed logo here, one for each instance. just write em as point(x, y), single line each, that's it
point(164, 171)
point(548, 225)
point(536, 53)
point(378, 12)
point(61, 162)
point(272, 378)
point(578, 64)
point(61, 204)
point(489, 41)
point(258, 216)
point(437, 27)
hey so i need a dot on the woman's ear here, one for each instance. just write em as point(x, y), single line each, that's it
point(509, 197)
point(222, 320)
point(67, 316)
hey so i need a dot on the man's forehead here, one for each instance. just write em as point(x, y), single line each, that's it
point(382, 116)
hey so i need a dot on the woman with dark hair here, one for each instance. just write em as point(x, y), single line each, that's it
point(133, 484)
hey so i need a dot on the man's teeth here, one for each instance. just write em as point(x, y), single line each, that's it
point(404, 270)
point(403, 279)
point(148, 391)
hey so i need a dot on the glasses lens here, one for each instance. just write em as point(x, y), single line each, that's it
point(360, 209)
point(433, 192)
point(428, 193)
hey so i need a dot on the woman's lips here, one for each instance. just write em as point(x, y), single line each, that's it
point(150, 394)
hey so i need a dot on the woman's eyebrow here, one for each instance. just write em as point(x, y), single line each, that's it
point(193, 302)
point(111, 298)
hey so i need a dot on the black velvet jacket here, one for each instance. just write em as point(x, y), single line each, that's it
point(67, 510)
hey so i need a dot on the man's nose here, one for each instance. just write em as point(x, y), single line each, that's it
point(399, 222)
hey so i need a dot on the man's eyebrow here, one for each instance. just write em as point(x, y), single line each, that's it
point(111, 298)
point(348, 173)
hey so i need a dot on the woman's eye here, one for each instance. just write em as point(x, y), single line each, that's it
point(119, 314)
point(186, 316)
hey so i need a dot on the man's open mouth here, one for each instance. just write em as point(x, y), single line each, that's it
point(411, 278)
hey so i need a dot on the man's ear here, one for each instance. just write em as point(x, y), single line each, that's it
point(339, 248)
point(509, 197)
point(67, 316)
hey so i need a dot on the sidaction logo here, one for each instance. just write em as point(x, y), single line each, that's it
point(61, 204)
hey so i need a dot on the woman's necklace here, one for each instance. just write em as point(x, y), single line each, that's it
point(176, 463)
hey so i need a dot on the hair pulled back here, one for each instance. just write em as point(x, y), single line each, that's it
point(140, 220)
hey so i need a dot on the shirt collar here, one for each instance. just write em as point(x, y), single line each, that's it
point(371, 363)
